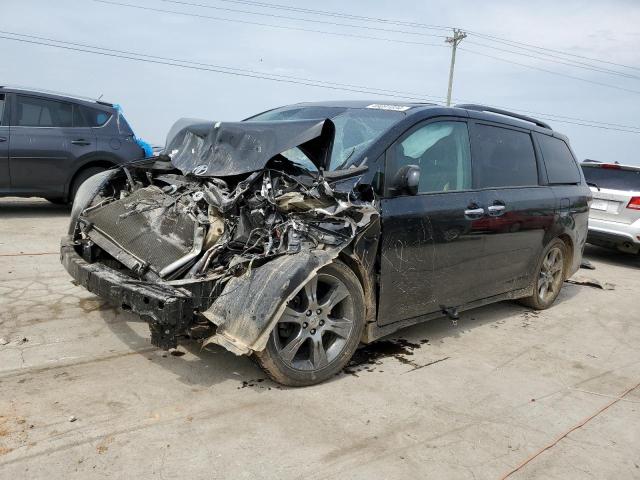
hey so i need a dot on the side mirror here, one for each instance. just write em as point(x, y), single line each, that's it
point(407, 179)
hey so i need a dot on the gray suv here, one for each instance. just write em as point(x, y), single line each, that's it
point(50, 144)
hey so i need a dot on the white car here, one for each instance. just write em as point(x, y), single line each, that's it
point(614, 218)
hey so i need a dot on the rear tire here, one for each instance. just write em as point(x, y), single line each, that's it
point(549, 276)
point(81, 177)
point(318, 331)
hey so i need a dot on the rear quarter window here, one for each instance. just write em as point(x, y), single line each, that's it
point(89, 117)
point(613, 178)
point(503, 157)
point(560, 164)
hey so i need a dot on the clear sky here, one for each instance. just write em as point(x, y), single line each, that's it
point(153, 96)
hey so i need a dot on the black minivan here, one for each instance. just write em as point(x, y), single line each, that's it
point(299, 233)
point(50, 144)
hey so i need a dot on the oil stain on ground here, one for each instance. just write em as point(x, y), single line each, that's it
point(369, 357)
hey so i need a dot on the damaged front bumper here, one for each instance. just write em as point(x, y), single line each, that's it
point(169, 311)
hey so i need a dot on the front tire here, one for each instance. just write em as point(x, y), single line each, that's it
point(549, 277)
point(318, 331)
point(81, 177)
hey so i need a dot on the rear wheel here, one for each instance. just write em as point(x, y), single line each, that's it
point(549, 277)
point(318, 331)
point(81, 177)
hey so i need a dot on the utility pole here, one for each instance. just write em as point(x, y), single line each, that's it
point(458, 35)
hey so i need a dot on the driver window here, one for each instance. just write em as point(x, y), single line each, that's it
point(442, 152)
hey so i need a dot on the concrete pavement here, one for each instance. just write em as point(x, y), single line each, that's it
point(83, 394)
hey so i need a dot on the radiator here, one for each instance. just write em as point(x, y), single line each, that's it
point(147, 225)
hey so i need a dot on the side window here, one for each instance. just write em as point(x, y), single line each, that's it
point(89, 117)
point(1, 108)
point(442, 152)
point(503, 157)
point(561, 167)
point(39, 112)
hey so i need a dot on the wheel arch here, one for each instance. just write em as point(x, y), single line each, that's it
point(568, 258)
point(367, 282)
point(105, 161)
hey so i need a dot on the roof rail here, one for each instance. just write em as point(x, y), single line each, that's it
point(27, 89)
point(506, 113)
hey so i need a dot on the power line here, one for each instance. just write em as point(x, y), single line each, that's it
point(283, 27)
point(298, 19)
point(128, 55)
point(563, 61)
point(110, 2)
point(514, 43)
point(558, 59)
point(559, 118)
point(337, 14)
point(405, 94)
point(211, 68)
point(387, 21)
point(593, 82)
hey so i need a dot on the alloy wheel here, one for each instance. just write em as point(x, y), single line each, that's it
point(550, 279)
point(316, 324)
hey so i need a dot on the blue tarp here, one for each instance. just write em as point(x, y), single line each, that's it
point(146, 146)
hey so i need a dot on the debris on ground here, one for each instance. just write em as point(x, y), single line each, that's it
point(4, 341)
point(72, 418)
point(428, 364)
point(586, 264)
point(590, 282)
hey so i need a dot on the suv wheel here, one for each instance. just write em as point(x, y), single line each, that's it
point(549, 277)
point(318, 331)
point(81, 177)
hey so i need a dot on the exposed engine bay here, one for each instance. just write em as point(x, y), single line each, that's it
point(221, 228)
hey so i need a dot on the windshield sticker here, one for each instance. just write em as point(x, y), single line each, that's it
point(395, 108)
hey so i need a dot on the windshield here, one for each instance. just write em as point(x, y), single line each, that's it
point(356, 129)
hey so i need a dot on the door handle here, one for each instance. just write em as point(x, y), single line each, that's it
point(474, 212)
point(3, 139)
point(80, 141)
point(496, 210)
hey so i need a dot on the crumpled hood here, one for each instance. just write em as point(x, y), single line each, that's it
point(218, 149)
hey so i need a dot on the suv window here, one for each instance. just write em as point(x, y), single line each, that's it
point(39, 112)
point(442, 152)
point(89, 117)
point(613, 178)
point(504, 157)
point(561, 167)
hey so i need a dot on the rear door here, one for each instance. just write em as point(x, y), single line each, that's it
point(430, 252)
point(616, 187)
point(44, 145)
point(519, 210)
point(4, 144)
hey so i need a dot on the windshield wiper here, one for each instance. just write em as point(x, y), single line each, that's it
point(594, 185)
point(344, 163)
